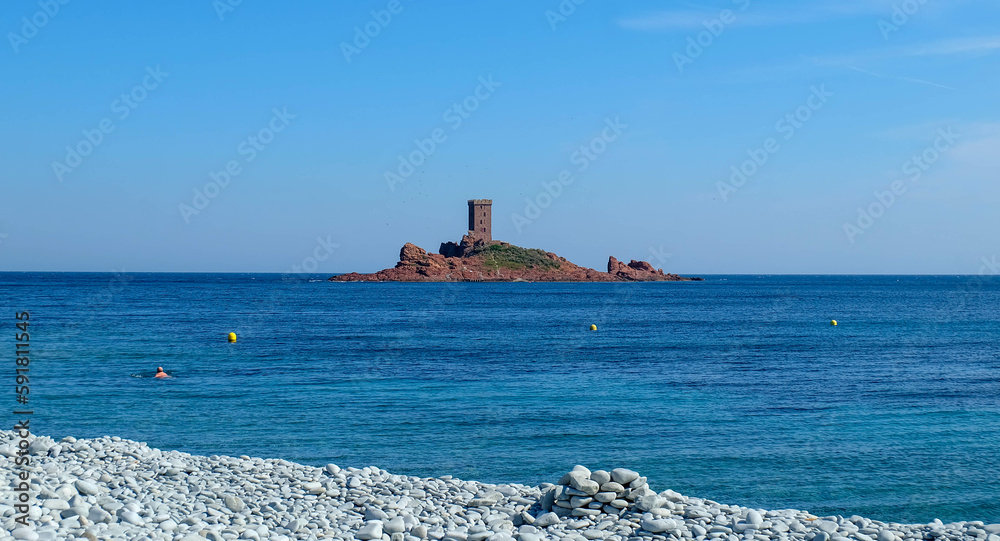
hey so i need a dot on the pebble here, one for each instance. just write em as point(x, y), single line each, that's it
point(374, 513)
point(25, 533)
point(655, 525)
point(234, 503)
point(85, 487)
point(827, 526)
point(605, 497)
point(612, 486)
point(600, 477)
point(96, 514)
point(132, 518)
point(623, 476)
point(371, 530)
point(56, 504)
point(546, 520)
point(395, 525)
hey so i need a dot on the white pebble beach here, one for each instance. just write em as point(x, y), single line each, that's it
point(111, 488)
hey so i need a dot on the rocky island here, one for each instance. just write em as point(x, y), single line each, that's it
point(476, 261)
point(479, 258)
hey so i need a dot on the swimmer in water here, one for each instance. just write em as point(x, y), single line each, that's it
point(160, 373)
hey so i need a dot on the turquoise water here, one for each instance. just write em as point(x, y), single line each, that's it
point(735, 389)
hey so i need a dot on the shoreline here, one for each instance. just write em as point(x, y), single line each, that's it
point(111, 488)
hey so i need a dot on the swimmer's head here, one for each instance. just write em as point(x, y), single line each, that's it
point(159, 369)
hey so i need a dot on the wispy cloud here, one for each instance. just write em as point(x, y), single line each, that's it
point(963, 46)
point(898, 78)
point(684, 19)
point(971, 46)
point(917, 131)
point(879, 62)
point(974, 45)
point(981, 153)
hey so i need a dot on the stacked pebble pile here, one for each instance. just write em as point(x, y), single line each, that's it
point(582, 493)
point(111, 489)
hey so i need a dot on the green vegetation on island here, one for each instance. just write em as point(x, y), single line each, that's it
point(508, 256)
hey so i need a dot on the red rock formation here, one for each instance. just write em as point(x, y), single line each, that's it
point(639, 271)
point(411, 252)
point(465, 262)
point(464, 248)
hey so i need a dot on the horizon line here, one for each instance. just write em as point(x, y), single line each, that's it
point(342, 273)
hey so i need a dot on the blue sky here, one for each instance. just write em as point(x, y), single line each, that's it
point(826, 107)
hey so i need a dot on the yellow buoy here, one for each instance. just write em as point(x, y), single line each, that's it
point(833, 322)
point(593, 327)
point(232, 337)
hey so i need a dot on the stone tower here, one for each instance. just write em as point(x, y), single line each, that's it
point(481, 219)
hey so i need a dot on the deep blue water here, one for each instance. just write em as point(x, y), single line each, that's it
point(736, 389)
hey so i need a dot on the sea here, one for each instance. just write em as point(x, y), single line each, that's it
point(736, 389)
